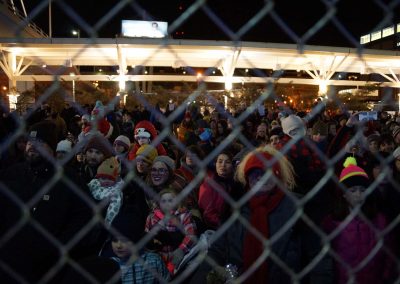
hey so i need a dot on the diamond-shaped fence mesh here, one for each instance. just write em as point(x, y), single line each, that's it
point(151, 159)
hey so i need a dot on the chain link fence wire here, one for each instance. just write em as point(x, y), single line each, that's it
point(217, 194)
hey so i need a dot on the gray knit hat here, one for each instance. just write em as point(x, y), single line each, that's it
point(167, 161)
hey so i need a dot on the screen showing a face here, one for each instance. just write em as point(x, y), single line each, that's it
point(150, 29)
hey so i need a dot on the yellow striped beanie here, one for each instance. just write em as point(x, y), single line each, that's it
point(352, 175)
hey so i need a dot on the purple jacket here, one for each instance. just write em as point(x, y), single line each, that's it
point(354, 244)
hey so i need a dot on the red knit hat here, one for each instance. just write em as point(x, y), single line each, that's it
point(105, 127)
point(260, 160)
point(352, 175)
point(145, 126)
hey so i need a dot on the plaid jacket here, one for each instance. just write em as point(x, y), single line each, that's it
point(143, 271)
point(308, 166)
point(180, 221)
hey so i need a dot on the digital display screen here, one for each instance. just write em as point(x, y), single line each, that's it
point(150, 29)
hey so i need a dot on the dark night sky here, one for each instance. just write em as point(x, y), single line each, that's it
point(354, 17)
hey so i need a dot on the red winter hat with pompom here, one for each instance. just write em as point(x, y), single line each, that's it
point(352, 175)
point(146, 126)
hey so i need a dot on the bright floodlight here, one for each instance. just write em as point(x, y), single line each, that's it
point(228, 84)
point(76, 33)
point(121, 84)
point(323, 87)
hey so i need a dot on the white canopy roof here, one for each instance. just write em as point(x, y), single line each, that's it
point(319, 62)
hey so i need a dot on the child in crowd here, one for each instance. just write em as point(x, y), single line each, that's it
point(356, 241)
point(147, 269)
point(172, 226)
point(144, 158)
point(121, 147)
point(145, 134)
point(142, 136)
point(107, 185)
point(261, 137)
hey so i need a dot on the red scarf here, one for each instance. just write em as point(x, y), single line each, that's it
point(261, 207)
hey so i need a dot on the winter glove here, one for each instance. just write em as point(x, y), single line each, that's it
point(177, 257)
point(216, 276)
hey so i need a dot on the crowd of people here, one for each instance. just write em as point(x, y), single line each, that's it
point(113, 195)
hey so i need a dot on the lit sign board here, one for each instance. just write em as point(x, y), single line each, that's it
point(150, 29)
point(388, 31)
point(365, 39)
point(376, 35)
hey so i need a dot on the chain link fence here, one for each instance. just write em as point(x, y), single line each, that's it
point(177, 182)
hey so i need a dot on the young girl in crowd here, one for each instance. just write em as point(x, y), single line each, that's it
point(172, 226)
point(144, 157)
point(149, 268)
point(121, 147)
point(358, 224)
point(107, 185)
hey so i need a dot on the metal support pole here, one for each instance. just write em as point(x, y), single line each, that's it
point(50, 21)
point(73, 90)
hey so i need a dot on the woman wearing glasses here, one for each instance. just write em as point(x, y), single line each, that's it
point(162, 175)
point(159, 177)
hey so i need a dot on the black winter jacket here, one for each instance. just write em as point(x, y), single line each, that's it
point(42, 210)
point(295, 247)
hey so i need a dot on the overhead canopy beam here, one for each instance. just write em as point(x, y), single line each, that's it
point(208, 79)
point(324, 72)
point(101, 52)
point(393, 78)
point(319, 62)
point(8, 64)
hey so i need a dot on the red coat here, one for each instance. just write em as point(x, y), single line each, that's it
point(211, 202)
